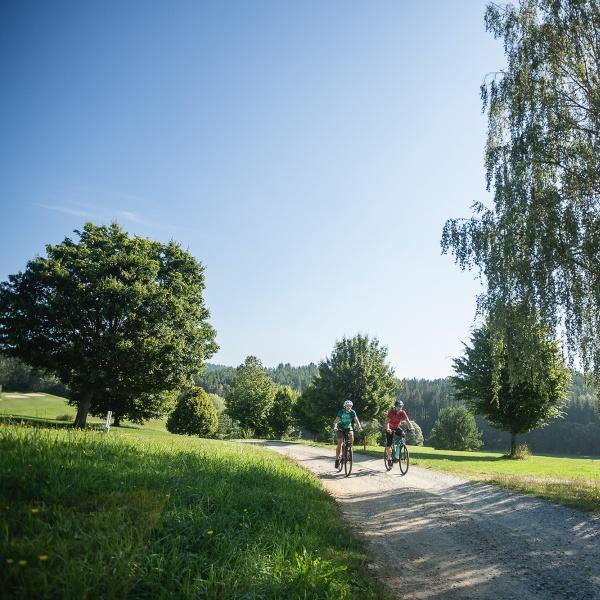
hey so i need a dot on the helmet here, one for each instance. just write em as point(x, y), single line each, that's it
point(348, 403)
point(399, 403)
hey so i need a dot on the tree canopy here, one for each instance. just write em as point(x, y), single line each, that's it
point(539, 243)
point(112, 316)
point(251, 395)
point(194, 414)
point(356, 370)
point(483, 380)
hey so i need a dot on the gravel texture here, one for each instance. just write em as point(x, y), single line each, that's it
point(434, 535)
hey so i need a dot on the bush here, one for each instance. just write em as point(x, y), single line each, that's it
point(413, 438)
point(64, 418)
point(194, 414)
point(228, 428)
point(455, 429)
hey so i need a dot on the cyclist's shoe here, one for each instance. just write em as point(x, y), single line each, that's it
point(390, 463)
point(337, 463)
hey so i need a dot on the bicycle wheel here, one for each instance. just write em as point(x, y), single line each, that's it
point(404, 460)
point(341, 463)
point(348, 461)
point(385, 459)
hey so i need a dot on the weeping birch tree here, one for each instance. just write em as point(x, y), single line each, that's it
point(539, 244)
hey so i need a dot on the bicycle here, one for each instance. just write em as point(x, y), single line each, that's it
point(346, 455)
point(399, 454)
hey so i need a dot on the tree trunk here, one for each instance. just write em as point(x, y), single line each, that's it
point(83, 407)
point(117, 421)
point(513, 443)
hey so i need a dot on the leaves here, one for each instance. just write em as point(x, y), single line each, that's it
point(538, 245)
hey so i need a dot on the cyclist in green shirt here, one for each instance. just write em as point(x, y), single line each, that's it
point(346, 417)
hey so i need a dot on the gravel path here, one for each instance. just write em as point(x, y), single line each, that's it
point(438, 536)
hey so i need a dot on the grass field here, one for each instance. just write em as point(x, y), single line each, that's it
point(141, 513)
point(573, 482)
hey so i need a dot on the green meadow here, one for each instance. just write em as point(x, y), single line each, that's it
point(573, 482)
point(141, 513)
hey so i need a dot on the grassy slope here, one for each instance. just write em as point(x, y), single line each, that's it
point(144, 514)
point(573, 482)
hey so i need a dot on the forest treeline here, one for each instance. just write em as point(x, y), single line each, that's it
point(578, 432)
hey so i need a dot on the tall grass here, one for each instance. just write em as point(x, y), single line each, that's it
point(150, 515)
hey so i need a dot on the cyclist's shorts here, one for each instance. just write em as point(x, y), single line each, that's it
point(340, 435)
point(389, 437)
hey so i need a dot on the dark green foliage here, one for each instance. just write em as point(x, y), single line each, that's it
point(356, 370)
point(298, 378)
point(113, 317)
point(424, 398)
point(194, 414)
point(538, 244)
point(217, 378)
point(16, 376)
point(413, 438)
point(281, 415)
point(308, 415)
point(251, 396)
point(455, 429)
point(483, 379)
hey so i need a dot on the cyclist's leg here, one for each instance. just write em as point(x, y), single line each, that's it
point(339, 438)
point(389, 440)
point(351, 437)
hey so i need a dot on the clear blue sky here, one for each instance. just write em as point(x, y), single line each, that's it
point(307, 153)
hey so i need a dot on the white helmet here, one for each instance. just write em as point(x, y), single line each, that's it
point(399, 403)
point(348, 403)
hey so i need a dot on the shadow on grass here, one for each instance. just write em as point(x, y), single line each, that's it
point(44, 423)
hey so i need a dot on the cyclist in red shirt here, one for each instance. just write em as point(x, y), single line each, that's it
point(395, 416)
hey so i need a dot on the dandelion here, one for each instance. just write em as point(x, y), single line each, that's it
point(210, 532)
point(35, 511)
point(43, 557)
point(10, 561)
point(245, 510)
point(22, 562)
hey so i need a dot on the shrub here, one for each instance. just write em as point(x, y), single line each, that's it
point(64, 418)
point(413, 438)
point(194, 414)
point(455, 429)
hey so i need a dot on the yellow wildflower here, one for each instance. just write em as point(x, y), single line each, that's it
point(210, 532)
point(43, 557)
point(22, 562)
point(35, 510)
point(10, 561)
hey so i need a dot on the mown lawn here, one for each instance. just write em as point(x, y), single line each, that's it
point(144, 514)
point(573, 482)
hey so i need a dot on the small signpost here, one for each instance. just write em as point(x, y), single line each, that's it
point(107, 422)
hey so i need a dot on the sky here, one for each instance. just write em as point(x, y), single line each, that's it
point(307, 153)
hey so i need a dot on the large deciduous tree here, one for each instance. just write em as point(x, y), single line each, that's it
point(281, 415)
point(356, 370)
point(540, 242)
point(112, 316)
point(483, 376)
point(250, 396)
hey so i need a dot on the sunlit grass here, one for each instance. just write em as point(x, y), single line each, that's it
point(144, 514)
point(574, 482)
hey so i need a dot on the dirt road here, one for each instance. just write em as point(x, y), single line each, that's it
point(437, 536)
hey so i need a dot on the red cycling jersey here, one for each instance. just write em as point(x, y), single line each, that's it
point(394, 418)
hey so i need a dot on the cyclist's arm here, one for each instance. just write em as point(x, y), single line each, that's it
point(410, 426)
point(335, 422)
point(358, 422)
